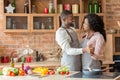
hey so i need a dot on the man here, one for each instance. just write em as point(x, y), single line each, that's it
point(67, 39)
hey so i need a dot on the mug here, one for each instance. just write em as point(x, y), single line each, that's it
point(28, 59)
point(6, 59)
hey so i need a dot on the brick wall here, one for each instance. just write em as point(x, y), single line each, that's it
point(112, 13)
point(46, 42)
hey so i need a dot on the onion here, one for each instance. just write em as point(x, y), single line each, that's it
point(26, 68)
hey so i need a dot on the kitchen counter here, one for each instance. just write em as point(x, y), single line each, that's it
point(34, 64)
point(49, 77)
point(44, 63)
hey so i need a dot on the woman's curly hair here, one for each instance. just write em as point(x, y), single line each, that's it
point(96, 24)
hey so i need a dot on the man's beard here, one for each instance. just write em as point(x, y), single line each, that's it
point(70, 24)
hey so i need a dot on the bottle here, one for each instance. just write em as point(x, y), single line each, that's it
point(42, 26)
point(9, 23)
point(14, 25)
point(13, 5)
point(26, 7)
point(37, 56)
point(51, 7)
point(33, 8)
point(50, 26)
point(100, 7)
point(90, 7)
point(12, 62)
point(95, 6)
point(22, 65)
point(7, 3)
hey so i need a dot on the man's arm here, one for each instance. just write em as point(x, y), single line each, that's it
point(63, 40)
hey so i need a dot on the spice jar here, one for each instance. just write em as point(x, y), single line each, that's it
point(75, 8)
point(67, 7)
point(60, 8)
point(51, 7)
point(46, 10)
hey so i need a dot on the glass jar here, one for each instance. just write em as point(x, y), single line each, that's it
point(67, 7)
point(60, 8)
point(42, 26)
point(51, 7)
point(9, 21)
point(75, 8)
point(36, 25)
point(33, 8)
point(50, 26)
point(14, 25)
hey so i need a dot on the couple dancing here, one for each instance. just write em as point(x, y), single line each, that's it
point(77, 54)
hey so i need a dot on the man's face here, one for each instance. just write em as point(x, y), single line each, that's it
point(86, 25)
point(69, 21)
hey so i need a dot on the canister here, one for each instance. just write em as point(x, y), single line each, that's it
point(60, 8)
point(75, 8)
point(67, 7)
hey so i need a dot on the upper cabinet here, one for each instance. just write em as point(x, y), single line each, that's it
point(44, 15)
point(17, 23)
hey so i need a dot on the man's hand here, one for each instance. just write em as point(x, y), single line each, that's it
point(89, 50)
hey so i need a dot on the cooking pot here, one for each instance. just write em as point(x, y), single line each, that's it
point(94, 71)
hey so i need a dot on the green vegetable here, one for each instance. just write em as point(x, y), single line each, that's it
point(1, 73)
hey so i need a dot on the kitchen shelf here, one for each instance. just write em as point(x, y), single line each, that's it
point(38, 13)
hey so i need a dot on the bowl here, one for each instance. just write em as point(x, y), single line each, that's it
point(112, 31)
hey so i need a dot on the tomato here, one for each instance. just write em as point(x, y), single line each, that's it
point(62, 72)
point(52, 72)
point(48, 73)
point(9, 73)
point(21, 72)
point(12, 74)
point(67, 73)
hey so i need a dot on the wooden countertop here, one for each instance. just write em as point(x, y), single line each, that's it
point(44, 63)
point(34, 64)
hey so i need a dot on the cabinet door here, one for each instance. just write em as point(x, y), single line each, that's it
point(17, 23)
point(43, 23)
point(77, 24)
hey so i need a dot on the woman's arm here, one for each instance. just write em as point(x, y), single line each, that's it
point(98, 49)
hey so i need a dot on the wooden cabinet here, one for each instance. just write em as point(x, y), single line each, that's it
point(43, 23)
point(17, 23)
point(36, 20)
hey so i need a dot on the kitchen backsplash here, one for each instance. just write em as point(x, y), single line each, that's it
point(46, 42)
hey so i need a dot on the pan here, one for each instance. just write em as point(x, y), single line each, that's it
point(94, 71)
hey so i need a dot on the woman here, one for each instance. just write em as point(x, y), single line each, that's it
point(95, 38)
